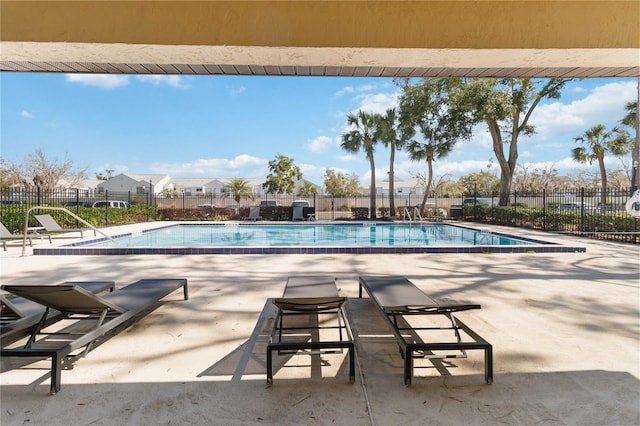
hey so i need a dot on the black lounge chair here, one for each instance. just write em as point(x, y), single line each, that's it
point(310, 297)
point(20, 316)
point(398, 298)
point(79, 306)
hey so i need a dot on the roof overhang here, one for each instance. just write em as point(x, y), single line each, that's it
point(324, 38)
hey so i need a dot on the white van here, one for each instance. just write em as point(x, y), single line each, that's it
point(112, 204)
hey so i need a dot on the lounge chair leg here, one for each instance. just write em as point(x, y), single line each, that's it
point(186, 292)
point(408, 367)
point(352, 361)
point(488, 365)
point(269, 367)
point(56, 373)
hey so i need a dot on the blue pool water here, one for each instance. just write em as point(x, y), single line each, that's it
point(314, 235)
point(317, 238)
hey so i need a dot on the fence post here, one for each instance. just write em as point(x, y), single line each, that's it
point(581, 210)
point(333, 212)
point(544, 209)
point(106, 207)
point(515, 208)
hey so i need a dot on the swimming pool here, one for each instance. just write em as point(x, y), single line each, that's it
point(234, 238)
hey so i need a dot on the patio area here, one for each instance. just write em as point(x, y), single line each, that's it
point(565, 330)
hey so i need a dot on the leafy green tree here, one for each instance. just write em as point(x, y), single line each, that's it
point(393, 133)
point(482, 183)
point(363, 137)
point(631, 117)
point(598, 143)
point(108, 174)
point(341, 185)
point(240, 188)
point(631, 120)
point(428, 106)
point(283, 176)
point(506, 105)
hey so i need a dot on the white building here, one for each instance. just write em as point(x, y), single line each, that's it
point(137, 184)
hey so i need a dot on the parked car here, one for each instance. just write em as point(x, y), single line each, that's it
point(205, 206)
point(472, 201)
point(112, 204)
point(78, 204)
point(576, 206)
point(300, 203)
point(269, 203)
point(431, 209)
point(11, 202)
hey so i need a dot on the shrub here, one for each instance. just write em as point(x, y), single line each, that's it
point(360, 213)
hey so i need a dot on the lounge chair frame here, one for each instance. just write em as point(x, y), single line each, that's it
point(311, 297)
point(297, 213)
point(21, 316)
point(254, 214)
point(6, 235)
point(109, 316)
point(50, 225)
point(421, 304)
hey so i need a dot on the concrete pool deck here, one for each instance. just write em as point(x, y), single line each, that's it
point(565, 329)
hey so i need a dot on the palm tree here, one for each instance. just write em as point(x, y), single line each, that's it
point(630, 119)
point(600, 142)
point(240, 188)
point(429, 151)
point(307, 189)
point(363, 136)
point(391, 132)
point(428, 106)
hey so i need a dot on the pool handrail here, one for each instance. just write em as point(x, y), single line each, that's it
point(416, 214)
point(75, 216)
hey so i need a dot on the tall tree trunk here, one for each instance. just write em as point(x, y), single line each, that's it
point(603, 176)
point(392, 192)
point(372, 188)
point(635, 155)
point(427, 188)
point(506, 173)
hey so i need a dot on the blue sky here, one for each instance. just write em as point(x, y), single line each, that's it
point(231, 126)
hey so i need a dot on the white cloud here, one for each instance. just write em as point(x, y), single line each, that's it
point(377, 102)
point(360, 89)
point(243, 165)
point(313, 173)
point(238, 90)
point(320, 144)
point(163, 80)
point(345, 90)
point(102, 81)
point(350, 158)
point(603, 105)
point(26, 114)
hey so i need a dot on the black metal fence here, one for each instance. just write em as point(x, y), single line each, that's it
point(574, 211)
